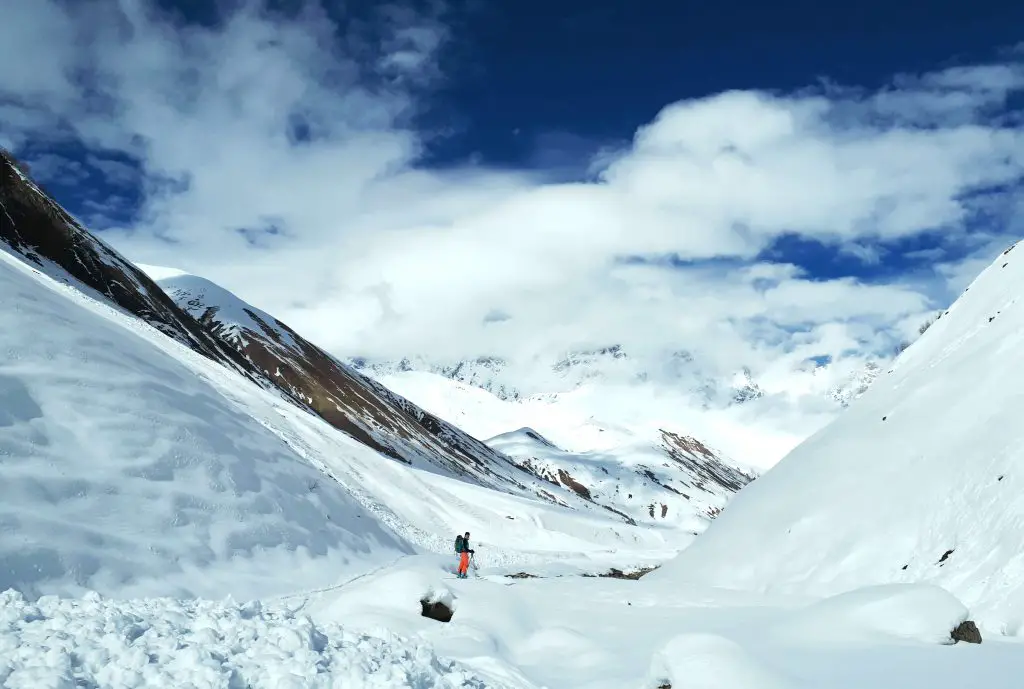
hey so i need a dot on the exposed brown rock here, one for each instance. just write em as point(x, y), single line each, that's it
point(703, 463)
point(436, 610)
point(567, 480)
point(967, 632)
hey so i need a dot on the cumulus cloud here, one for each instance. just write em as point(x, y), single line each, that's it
point(277, 155)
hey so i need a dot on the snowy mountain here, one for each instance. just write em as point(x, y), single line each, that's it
point(127, 468)
point(214, 323)
point(651, 474)
point(347, 400)
point(149, 454)
point(36, 228)
point(753, 420)
point(148, 457)
point(704, 480)
point(918, 481)
point(613, 366)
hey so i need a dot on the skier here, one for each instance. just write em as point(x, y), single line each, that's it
point(464, 551)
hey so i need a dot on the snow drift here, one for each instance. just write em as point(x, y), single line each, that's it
point(922, 479)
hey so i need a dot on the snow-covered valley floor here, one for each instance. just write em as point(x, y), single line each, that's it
point(556, 632)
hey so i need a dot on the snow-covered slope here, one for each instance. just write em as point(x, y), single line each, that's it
point(651, 474)
point(359, 406)
point(754, 421)
point(677, 481)
point(921, 480)
point(126, 468)
point(38, 230)
point(214, 323)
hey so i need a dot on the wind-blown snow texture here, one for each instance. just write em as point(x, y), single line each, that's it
point(922, 479)
point(125, 466)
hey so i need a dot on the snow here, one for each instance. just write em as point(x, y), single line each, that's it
point(560, 630)
point(135, 468)
point(708, 661)
point(126, 468)
point(59, 643)
point(196, 295)
point(918, 481)
point(923, 612)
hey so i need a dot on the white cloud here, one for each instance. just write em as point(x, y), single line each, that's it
point(292, 124)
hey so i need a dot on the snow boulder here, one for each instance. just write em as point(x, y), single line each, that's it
point(392, 596)
point(914, 612)
point(708, 661)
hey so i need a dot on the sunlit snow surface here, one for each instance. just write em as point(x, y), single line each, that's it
point(922, 479)
point(135, 467)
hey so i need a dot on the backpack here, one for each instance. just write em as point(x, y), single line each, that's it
point(459, 543)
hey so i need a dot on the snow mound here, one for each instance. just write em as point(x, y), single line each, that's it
point(920, 480)
point(708, 661)
point(60, 643)
point(918, 612)
point(130, 462)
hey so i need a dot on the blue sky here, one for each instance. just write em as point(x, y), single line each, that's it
point(574, 74)
point(760, 183)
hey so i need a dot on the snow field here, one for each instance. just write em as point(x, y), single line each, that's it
point(572, 632)
point(95, 642)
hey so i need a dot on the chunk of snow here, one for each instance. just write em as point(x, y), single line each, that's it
point(708, 661)
point(918, 612)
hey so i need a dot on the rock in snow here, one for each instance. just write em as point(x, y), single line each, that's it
point(967, 632)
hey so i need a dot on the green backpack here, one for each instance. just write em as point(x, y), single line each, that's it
point(459, 543)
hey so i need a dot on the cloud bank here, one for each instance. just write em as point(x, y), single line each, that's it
point(277, 155)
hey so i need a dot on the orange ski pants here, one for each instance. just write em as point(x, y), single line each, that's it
point(463, 563)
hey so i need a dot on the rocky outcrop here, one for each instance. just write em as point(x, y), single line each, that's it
point(703, 463)
point(43, 234)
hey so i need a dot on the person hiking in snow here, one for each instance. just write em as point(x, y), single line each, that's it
point(464, 551)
